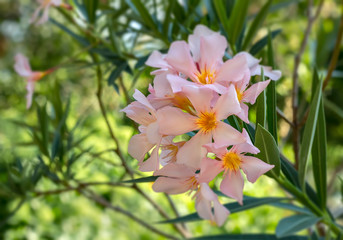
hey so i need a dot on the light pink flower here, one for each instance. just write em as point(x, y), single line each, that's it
point(44, 6)
point(23, 68)
point(201, 61)
point(231, 161)
point(206, 117)
point(255, 68)
point(249, 95)
point(142, 112)
point(180, 178)
point(162, 95)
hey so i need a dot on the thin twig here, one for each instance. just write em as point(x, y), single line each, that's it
point(172, 205)
point(79, 187)
point(117, 149)
point(295, 91)
point(126, 95)
point(335, 54)
point(282, 115)
point(177, 227)
point(91, 195)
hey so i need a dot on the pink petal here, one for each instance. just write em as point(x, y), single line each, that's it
point(232, 70)
point(214, 148)
point(192, 152)
point(180, 59)
point(173, 121)
point(232, 186)
point(139, 113)
point(152, 163)
point(170, 185)
point(254, 168)
point(176, 171)
point(194, 40)
point(210, 168)
point(162, 86)
point(207, 192)
point(220, 213)
point(215, 87)
point(255, 68)
point(212, 50)
point(143, 100)
point(204, 209)
point(252, 92)
point(244, 113)
point(153, 133)
point(225, 135)
point(268, 72)
point(156, 60)
point(139, 146)
point(246, 147)
point(227, 104)
point(199, 97)
point(22, 65)
point(177, 83)
point(30, 87)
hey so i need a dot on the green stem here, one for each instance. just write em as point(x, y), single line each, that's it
point(304, 199)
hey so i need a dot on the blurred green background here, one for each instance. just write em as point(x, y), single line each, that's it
point(69, 215)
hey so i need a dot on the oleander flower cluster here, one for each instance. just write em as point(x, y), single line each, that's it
point(193, 93)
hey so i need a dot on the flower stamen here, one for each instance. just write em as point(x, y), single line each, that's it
point(232, 161)
point(206, 122)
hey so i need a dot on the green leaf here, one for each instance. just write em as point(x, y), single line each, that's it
point(271, 95)
point(248, 237)
point(248, 203)
point(259, 45)
point(293, 224)
point(256, 24)
point(115, 74)
point(141, 180)
point(91, 7)
point(291, 207)
point(319, 150)
point(220, 10)
point(308, 134)
point(139, 8)
point(269, 151)
point(83, 41)
point(237, 19)
point(43, 124)
point(261, 105)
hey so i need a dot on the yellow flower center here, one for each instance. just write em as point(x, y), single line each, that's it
point(192, 182)
point(182, 102)
point(206, 76)
point(206, 122)
point(231, 161)
point(239, 94)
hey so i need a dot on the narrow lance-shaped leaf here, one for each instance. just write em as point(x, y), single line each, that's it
point(319, 150)
point(261, 105)
point(220, 9)
point(308, 134)
point(260, 44)
point(271, 95)
point(256, 24)
point(91, 7)
point(293, 224)
point(237, 19)
point(269, 151)
point(248, 203)
point(141, 180)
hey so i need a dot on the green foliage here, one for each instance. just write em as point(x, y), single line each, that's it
point(269, 151)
